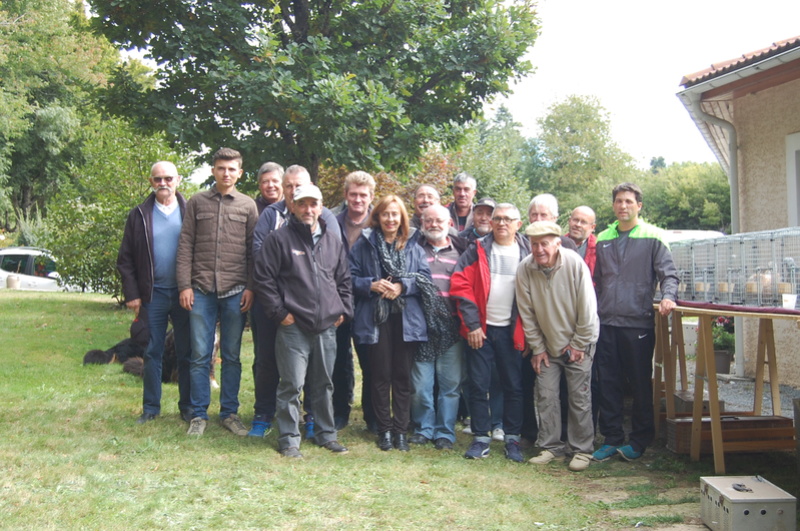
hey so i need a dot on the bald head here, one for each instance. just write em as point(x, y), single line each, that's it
point(581, 224)
point(164, 179)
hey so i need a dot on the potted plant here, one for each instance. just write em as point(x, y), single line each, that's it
point(724, 343)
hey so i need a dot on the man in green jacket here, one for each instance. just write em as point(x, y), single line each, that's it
point(632, 256)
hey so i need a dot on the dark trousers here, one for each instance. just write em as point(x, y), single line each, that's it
point(625, 355)
point(530, 426)
point(344, 378)
point(366, 387)
point(391, 360)
point(265, 367)
point(498, 349)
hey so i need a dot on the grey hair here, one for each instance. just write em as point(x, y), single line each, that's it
point(465, 177)
point(548, 201)
point(269, 167)
point(507, 206)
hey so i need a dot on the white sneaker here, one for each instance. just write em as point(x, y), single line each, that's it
point(543, 458)
point(580, 462)
point(498, 434)
point(467, 429)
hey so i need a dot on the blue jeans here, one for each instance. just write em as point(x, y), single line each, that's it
point(302, 358)
point(162, 306)
point(439, 421)
point(497, 350)
point(203, 319)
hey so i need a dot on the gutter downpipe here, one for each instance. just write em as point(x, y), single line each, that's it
point(733, 179)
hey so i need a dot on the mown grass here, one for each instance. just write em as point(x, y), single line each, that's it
point(72, 457)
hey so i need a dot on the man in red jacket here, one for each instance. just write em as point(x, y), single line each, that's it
point(581, 231)
point(483, 287)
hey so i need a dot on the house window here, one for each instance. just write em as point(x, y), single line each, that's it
point(793, 177)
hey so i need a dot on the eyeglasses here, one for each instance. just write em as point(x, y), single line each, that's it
point(579, 221)
point(167, 179)
point(507, 221)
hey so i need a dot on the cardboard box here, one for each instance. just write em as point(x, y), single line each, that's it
point(745, 503)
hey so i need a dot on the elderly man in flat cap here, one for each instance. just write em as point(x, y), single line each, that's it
point(558, 308)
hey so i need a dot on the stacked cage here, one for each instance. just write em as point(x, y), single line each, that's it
point(752, 269)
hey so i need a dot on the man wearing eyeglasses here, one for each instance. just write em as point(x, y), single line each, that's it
point(483, 288)
point(146, 263)
point(434, 415)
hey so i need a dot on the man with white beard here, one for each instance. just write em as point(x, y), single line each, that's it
point(436, 422)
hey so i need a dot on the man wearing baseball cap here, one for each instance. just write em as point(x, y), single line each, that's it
point(302, 280)
point(481, 219)
point(558, 308)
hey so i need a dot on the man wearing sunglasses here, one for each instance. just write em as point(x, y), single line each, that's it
point(146, 263)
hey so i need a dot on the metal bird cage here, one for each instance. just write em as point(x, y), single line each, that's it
point(752, 269)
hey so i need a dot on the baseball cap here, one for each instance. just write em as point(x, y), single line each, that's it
point(306, 191)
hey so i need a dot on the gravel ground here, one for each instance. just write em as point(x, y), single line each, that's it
point(738, 395)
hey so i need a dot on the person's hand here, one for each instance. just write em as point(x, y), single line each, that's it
point(666, 306)
point(538, 359)
point(475, 338)
point(247, 300)
point(577, 355)
point(186, 298)
point(135, 305)
point(288, 320)
point(394, 290)
point(339, 321)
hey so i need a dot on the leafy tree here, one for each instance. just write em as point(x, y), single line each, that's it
point(657, 164)
point(86, 218)
point(49, 64)
point(492, 153)
point(360, 84)
point(689, 196)
point(575, 158)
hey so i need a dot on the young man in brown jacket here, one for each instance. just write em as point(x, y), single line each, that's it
point(215, 272)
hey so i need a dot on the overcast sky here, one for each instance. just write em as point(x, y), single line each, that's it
point(632, 54)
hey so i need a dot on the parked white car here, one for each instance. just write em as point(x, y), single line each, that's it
point(35, 269)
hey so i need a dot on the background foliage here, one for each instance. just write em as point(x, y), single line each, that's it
point(395, 88)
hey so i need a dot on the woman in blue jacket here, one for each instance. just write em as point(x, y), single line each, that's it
point(391, 284)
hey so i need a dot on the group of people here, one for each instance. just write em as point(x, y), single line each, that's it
point(451, 311)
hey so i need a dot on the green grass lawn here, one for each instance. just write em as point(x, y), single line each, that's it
point(72, 456)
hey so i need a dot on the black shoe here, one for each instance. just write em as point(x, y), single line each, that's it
point(146, 417)
point(443, 444)
point(372, 428)
point(187, 415)
point(401, 442)
point(418, 438)
point(385, 441)
point(335, 447)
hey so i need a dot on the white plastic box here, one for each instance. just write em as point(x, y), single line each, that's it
point(746, 503)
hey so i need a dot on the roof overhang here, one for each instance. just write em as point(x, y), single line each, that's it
point(713, 90)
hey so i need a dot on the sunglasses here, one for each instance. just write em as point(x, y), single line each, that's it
point(167, 179)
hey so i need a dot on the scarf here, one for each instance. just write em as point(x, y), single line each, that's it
point(441, 332)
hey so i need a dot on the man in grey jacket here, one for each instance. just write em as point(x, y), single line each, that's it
point(215, 272)
point(558, 308)
point(303, 282)
point(632, 256)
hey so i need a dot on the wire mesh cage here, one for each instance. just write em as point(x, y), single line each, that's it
point(752, 269)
